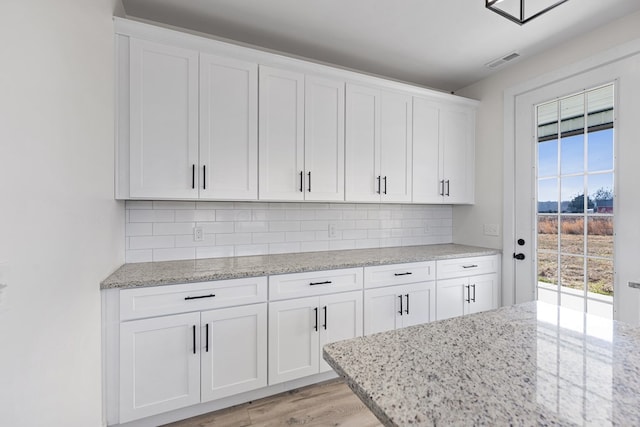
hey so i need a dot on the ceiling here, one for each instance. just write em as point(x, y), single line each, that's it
point(441, 44)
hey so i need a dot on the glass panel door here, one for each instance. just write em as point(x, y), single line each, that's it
point(575, 194)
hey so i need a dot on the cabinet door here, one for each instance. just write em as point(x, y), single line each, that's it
point(457, 130)
point(381, 309)
point(293, 339)
point(395, 147)
point(427, 161)
point(484, 293)
point(452, 294)
point(340, 319)
point(281, 134)
point(228, 128)
point(234, 350)
point(324, 139)
point(419, 303)
point(362, 145)
point(164, 121)
point(159, 365)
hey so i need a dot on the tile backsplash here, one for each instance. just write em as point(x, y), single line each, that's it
point(162, 231)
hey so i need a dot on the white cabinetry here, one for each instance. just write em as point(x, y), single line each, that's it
point(398, 296)
point(378, 145)
point(301, 136)
point(466, 286)
point(443, 152)
point(192, 124)
point(298, 328)
point(164, 121)
point(178, 359)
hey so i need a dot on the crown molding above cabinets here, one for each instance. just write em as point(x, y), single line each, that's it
point(202, 119)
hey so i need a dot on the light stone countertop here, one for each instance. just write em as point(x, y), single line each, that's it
point(202, 270)
point(528, 364)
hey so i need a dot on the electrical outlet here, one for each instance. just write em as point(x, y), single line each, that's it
point(491, 230)
point(332, 230)
point(198, 234)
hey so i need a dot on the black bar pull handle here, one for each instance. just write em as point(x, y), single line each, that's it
point(470, 266)
point(316, 312)
point(474, 293)
point(326, 282)
point(301, 179)
point(206, 345)
point(468, 294)
point(402, 274)
point(200, 297)
point(401, 310)
point(442, 187)
point(194, 339)
point(309, 175)
point(447, 187)
point(385, 185)
point(379, 177)
point(325, 317)
point(204, 177)
point(407, 309)
point(193, 176)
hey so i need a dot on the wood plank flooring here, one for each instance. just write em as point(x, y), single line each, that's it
point(330, 403)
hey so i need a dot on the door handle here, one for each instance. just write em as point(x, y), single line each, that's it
point(468, 293)
point(316, 312)
point(206, 346)
point(519, 256)
point(301, 178)
point(193, 176)
point(385, 185)
point(194, 339)
point(407, 309)
point(379, 177)
point(309, 174)
point(442, 187)
point(474, 293)
point(325, 317)
point(447, 187)
point(400, 296)
point(204, 177)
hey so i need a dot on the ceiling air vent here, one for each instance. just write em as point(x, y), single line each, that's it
point(498, 62)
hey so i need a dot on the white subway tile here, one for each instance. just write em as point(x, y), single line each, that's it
point(354, 234)
point(214, 205)
point(284, 248)
point(251, 227)
point(390, 223)
point(173, 205)
point(151, 215)
point(390, 242)
point(378, 234)
point(314, 225)
point(214, 252)
point(283, 205)
point(172, 228)
point(324, 235)
point(139, 229)
point(267, 237)
point(233, 239)
point(246, 250)
point(284, 226)
point(412, 241)
point(413, 223)
point(332, 215)
point(337, 245)
point(379, 214)
point(367, 206)
point(314, 206)
point(195, 215)
point(233, 215)
point(300, 236)
point(174, 254)
point(151, 242)
point(368, 224)
point(140, 255)
point(268, 215)
point(354, 214)
point(314, 246)
point(367, 243)
point(186, 241)
point(250, 205)
point(138, 204)
point(343, 206)
point(345, 225)
point(216, 227)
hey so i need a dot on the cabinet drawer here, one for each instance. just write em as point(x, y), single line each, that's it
point(297, 285)
point(399, 274)
point(461, 267)
point(161, 300)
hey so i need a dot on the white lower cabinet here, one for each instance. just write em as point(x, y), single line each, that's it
point(159, 365)
point(394, 307)
point(299, 328)
point(461, 292)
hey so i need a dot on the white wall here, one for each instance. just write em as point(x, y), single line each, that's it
point(60, 228)
point(468, 220)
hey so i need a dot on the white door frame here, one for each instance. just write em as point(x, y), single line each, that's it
point(610, 56)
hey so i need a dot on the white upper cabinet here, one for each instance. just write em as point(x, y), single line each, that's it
point(163, 121)
point(228, 128)
point(281, 136)
point(443, 152)
point(378, 145)
point(301, 136)
point(324, 139)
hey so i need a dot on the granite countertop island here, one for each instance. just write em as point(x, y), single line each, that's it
point(201, 270)
point(529, 364)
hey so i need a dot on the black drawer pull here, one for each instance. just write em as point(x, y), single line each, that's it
point(402, 274)
point(199, 297)
point(470, 266)
point(320, 283)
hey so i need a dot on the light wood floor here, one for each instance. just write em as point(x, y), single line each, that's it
point(331, 403)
